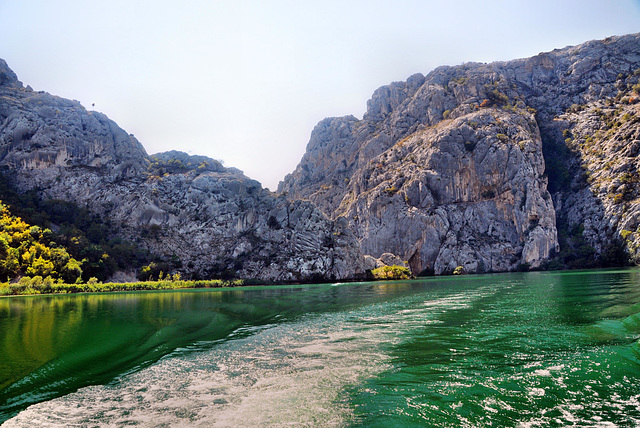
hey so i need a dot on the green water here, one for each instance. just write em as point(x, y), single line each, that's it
point(535, 349)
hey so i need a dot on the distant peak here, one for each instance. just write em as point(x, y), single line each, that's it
point(7, 76)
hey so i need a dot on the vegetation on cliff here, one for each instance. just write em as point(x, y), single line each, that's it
point(86, 236)
point(33, 262)
point(592, 161)
point(31, 251)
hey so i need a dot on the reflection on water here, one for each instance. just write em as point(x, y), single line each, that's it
point(52, 345)
point(535, 349)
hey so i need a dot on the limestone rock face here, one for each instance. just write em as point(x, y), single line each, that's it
point(603, 195)
point(330, 156)
point(215, 220)
point(466, 192)
point(43, 134)
point(386, 259)
point(450, 169)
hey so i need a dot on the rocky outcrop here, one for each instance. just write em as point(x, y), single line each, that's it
point(213, 220)
point(448, 170)
point(466, 192)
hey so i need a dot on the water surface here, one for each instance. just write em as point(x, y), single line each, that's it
point(535, 349)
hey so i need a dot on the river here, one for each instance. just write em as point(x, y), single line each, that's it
point(521, 349)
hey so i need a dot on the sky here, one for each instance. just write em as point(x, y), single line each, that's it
point(245, 81)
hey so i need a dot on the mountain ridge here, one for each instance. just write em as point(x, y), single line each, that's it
point(335, 165)
point(211, 221)
point(529, 163)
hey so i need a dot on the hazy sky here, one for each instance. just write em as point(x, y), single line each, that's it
point(246, 81)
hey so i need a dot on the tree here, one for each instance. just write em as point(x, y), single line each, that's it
point(25, 251)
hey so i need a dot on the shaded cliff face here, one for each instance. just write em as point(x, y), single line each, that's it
point(601, 192)
point(448, 169)
point(213, 219)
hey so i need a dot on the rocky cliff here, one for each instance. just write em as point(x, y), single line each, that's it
point(213, 220)
point(454, 169)
point(531, 163)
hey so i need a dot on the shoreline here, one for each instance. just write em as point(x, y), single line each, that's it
point(19, 290)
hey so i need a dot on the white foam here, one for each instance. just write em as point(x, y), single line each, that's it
point(283, 374)
point(536, 392)
point(290, 373)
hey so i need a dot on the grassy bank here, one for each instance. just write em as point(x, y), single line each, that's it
point(48, 287)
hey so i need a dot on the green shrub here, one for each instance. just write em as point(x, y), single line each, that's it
point(625, 233)
point(391, 190)
point(497, 97)
point(391, 272)
point(458, 270)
